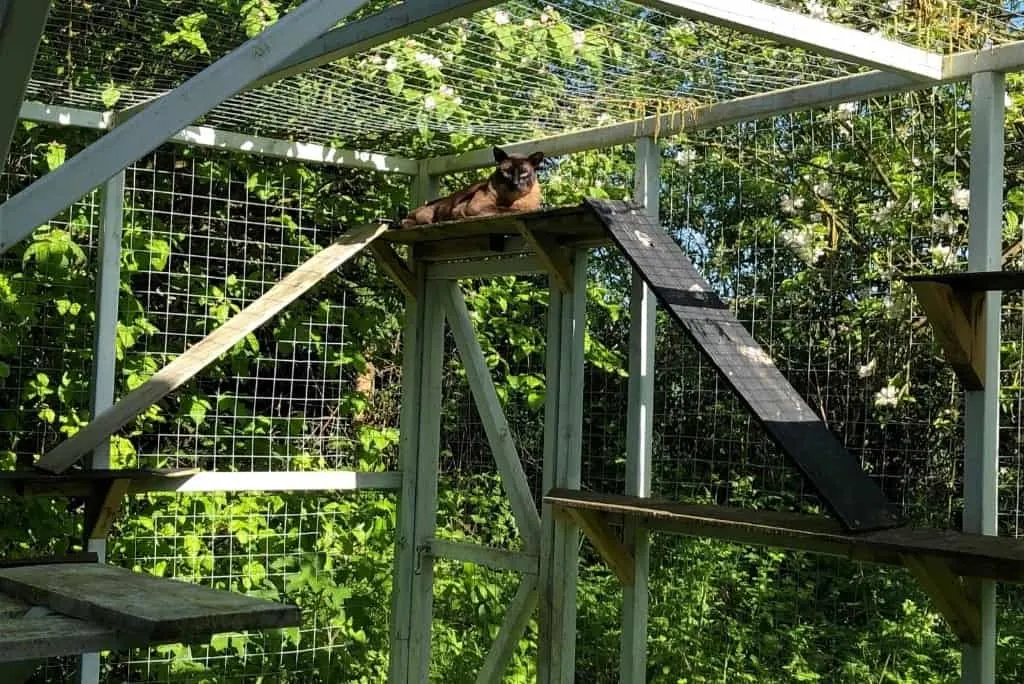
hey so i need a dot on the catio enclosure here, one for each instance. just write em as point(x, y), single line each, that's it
point(221, 365)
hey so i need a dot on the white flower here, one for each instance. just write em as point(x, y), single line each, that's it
point(528, 23)
point(447, 91)
point(946, 223)
point(816, 9)
point(816, 217)
point(846, 110)
point(914, 204)
point(894, 5)
point(544, 17)
point(916, 161)
point(787, 205)
point(578, 38)
point(960, 197)
point(941, 255)
point(868, 369)
point(883, 214)
point(376, 59)
point(1007, 100)
point(686, 156)
point(823, 189)
point(429, 102)
point(886, 396)
point(428, 59)
point(501, 17)
point(457, 100)
point(391, 64)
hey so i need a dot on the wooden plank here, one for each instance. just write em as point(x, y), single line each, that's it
point(294, 481)
point(83, 482)
point(395, 267)
point(107, 507)
point(517, 264)
point(614, 552)
point(53, 636)
point(974, 281)
point(969, 555)
point(205, 352)
point(12, 607)
point(551, 254)
point(513, 626)
point(844, 487)
point(957, 321)
point(142, 604)
point(947, 591)
point(573, 220)
point(487, 556)
point(75, 557)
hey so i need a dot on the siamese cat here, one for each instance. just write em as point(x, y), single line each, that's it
point(511, 188)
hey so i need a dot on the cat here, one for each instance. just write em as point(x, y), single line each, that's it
point(511, 188)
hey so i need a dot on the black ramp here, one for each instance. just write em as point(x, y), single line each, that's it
point(844, 487)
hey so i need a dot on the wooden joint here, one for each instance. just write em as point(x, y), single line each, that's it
point(618, 557)
point(551, 255)
point(102, 509)
point(958, 319)
point(949, 593)
point(395, 266)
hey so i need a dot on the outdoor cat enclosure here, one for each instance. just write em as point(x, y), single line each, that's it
point(303, 85)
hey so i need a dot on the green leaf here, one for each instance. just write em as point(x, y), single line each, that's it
point(110, 96)
point(56, 154)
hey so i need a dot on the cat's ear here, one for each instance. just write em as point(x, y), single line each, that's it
point(499, 155)
point(536, 158)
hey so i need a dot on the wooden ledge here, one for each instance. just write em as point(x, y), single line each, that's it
point(87, 482)
point(938, 559)
point(978, 281)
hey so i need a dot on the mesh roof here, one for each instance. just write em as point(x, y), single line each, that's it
point(578, 63)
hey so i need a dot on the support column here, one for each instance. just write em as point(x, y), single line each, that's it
point(419, 441)
point(639, 424)
point(981, 420)
point(104, 355)
point(563, 445)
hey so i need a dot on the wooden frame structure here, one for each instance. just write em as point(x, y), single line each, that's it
point(968, 328)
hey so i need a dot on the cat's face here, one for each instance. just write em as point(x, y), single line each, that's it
point(517, 170)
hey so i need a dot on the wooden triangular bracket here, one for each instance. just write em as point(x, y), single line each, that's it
point(958, 320)
point(616, 554)
point(949, 593)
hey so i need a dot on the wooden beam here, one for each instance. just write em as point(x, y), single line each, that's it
point(595, 525)
point(498, 559)
point(206, 351)
point(517, 617)
point(395, 267)
point(968, 555)
point(22, 23)
point(102, 510)
point(948, 592)
point(975, 281)
point(801, 30)
point(51, 636)
point(957, 320)
point(551, 254)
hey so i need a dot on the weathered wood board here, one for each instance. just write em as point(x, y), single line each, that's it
point(150, 608)
point(207, 350)
point(844, 487)
point(51, 636)
point(975, 281)
point(968, 555)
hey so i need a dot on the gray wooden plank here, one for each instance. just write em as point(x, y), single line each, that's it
point(974, 281)
point(51, 636)
point(843, 485)
point(141, 604)
point(12, 607)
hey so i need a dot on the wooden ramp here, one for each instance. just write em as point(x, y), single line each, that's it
point(199, 356)
point(844, 487)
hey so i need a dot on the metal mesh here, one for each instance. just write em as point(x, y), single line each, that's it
point(587, 63)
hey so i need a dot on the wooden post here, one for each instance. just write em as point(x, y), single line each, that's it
point(639, 422)
point(104, 359)
point(981, 419)
point(563, 438)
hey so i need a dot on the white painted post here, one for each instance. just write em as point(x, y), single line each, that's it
point(639, 425)
point(981, 420)
point(104, 356)
point(563, 446)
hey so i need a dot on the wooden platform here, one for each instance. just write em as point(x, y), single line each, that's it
point(96, 607)
point(954, 305)
point(503, 235)
point(969, 555)
point(86, 483)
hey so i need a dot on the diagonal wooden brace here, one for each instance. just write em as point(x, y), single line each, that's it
point(101, 509)
point(616, 554)
point(206, 351)
point(395, 267)
point(949, 593)
point(551, 255)
point(958, 319)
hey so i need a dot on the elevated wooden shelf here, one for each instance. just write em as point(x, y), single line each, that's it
point(953, 303)
point(503, 235)
point(939, 559)
point(86, 607)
